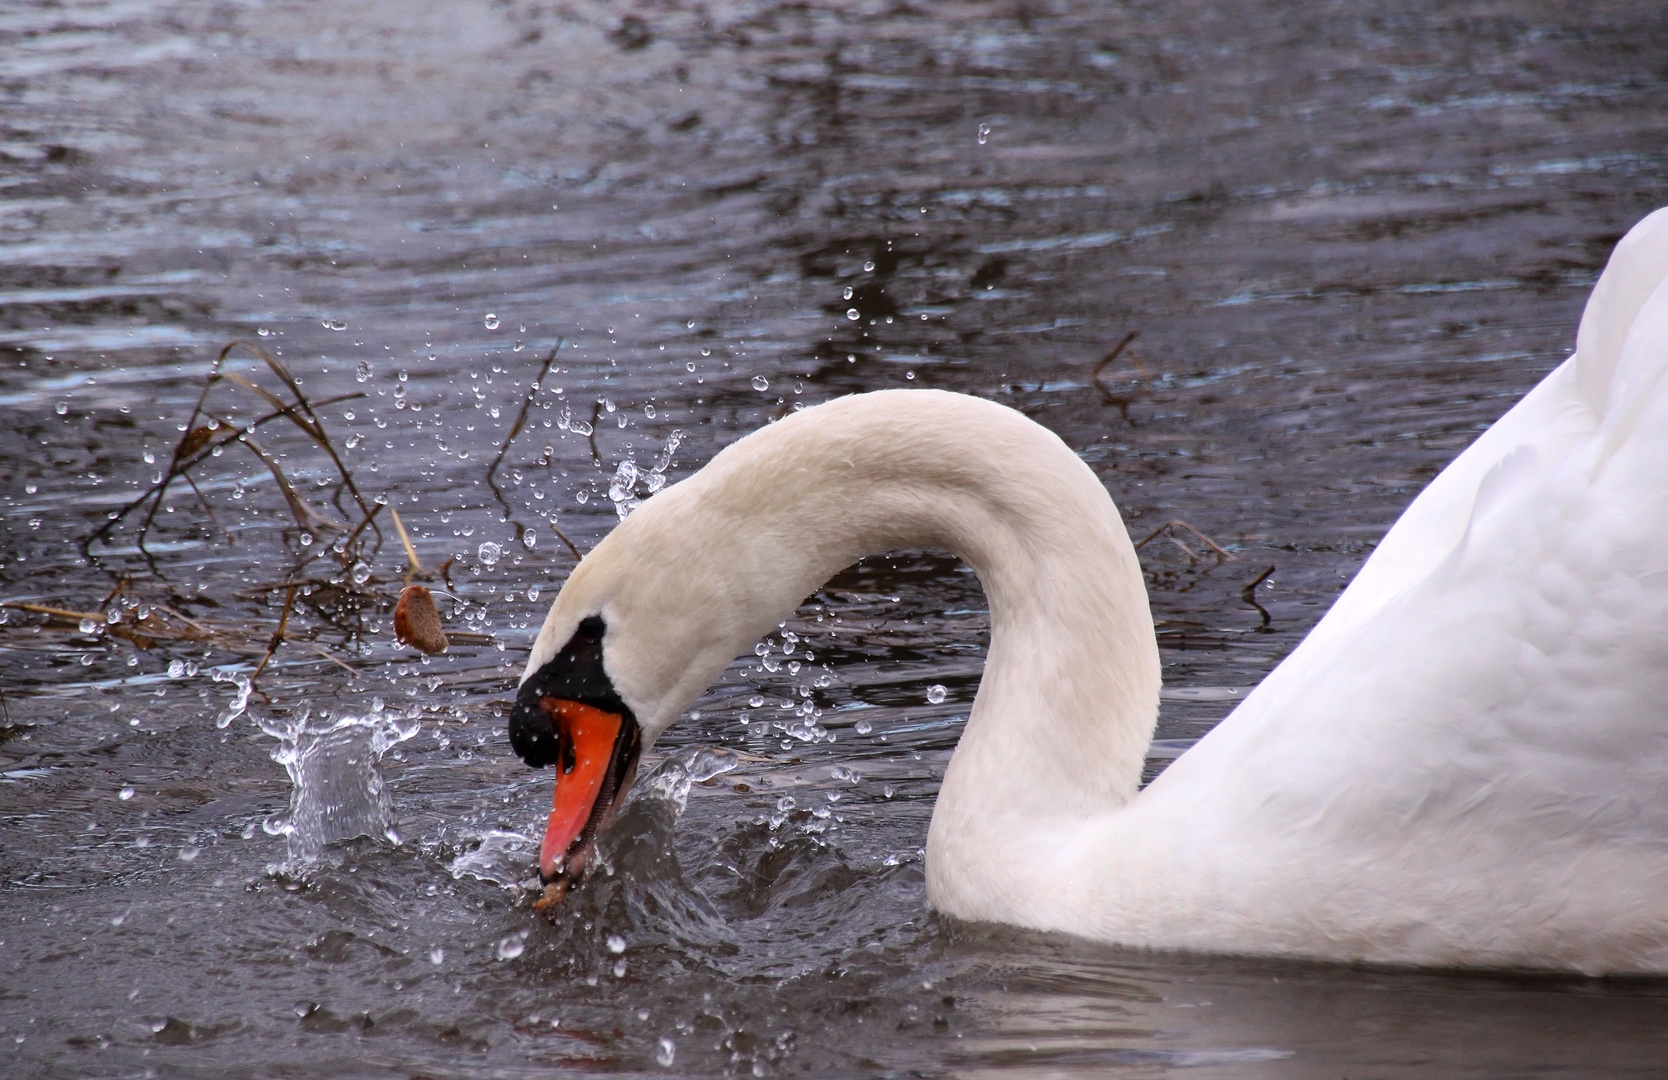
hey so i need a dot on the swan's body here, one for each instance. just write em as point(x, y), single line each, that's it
point(1465, 763)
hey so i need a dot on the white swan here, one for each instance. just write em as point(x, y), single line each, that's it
point(1465, 763)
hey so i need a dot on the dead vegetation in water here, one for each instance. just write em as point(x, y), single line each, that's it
point(329, 600)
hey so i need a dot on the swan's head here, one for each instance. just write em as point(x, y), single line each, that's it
point(642, 627)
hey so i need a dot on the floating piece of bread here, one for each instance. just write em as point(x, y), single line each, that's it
point(417, 621)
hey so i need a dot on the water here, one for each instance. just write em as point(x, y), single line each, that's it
point(1348, 239)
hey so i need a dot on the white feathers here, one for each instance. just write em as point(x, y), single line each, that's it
point(1461, 765)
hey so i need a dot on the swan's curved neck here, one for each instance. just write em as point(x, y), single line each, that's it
point(1070, 692)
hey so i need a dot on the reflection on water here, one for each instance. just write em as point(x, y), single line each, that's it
point(1348, 238)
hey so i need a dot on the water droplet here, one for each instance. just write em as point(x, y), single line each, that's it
point(363, 372)
point(150, 458)
point(532, 593)
point(306, 539)
point(761, 383)
point(756, 701)
point(511, 947)
point(616, 944)
point(936, 694)
point(437, 956)
point(518, 346)
point(619, 969)
point(126, 793)
point(869, 267)
point(189, 853)
point(61, 408)
point(176, 669)
point(665, 1051)
point(361, 573)
point(648, 411)
point(853, 314)
point(334, 324)
point(984, 133)
point(489, 553)
point(89, 626)
point(491, 321)
point(31, 488)
point(863, 727)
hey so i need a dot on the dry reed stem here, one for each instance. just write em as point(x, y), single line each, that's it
point(199, 441)
point(414, 566)
point(1178, 523)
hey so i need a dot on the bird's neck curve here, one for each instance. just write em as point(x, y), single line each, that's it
point(1069, 697)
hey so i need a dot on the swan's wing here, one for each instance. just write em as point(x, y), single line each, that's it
point(1503, 657)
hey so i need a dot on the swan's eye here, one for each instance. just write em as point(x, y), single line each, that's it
point(591, 627)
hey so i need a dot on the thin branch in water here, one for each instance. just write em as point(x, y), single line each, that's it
point(1178, 523)
point(209, 510)
point(1106, 395)
point(305, 516)
point(314, 428)
point(121, 586)
point(526, 404)
point(563, 537)
point(278, 634)
point(200, 440)
point(1249, 595)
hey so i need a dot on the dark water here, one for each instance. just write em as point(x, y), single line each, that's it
point(1349, 236)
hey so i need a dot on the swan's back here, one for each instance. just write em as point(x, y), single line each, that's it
point(1464, 762)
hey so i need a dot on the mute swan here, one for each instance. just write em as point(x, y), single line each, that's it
point(1464, 764)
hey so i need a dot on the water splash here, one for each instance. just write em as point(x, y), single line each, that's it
point(240, 702)
point(622, 488)
point(673, 779)
point(338, 792)
point(503, 858)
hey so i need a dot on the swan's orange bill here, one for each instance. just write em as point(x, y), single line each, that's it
point(587, 737)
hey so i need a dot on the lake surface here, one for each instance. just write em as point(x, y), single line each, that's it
point(1349, 236)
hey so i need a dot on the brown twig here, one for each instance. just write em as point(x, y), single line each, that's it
point(305, 516)
point(278, 634)
point(199, 441)
point(1249, 595)
point(314, 428)
point(596, 414)
point(563, 537)
point(204, 446)
point(143, 632)
point(1178, 523)
point(526, 404)
point(1106, 395)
